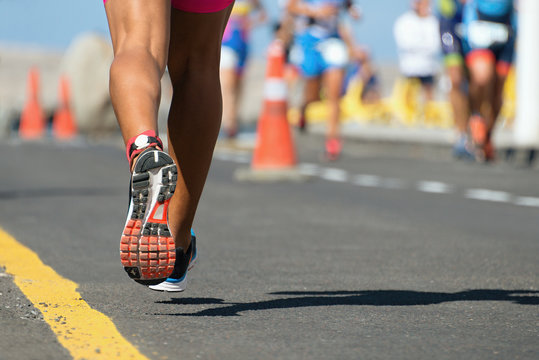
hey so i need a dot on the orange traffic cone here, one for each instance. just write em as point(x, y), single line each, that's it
point(32, 124)
point(274, 156)
point(274, 148)
point(63, 122)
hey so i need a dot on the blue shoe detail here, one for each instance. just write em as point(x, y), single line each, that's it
point(177, 281)
point(171, 280)
point(463, 149)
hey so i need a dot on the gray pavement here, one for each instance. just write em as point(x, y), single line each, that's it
point(395, 251)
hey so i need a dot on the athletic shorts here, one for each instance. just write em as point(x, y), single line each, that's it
point(198, 6)
point(234, 48)
point(315, 56)
point(451, 41)
point(426, 80)
point(490, 38)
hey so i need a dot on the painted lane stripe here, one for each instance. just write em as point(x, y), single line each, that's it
point(309, 169)
point(84, 332)
point(393, 184)
point(527, 201)
point(373, 181)
point(367, 180)
point(336, 175)
point(488, 195)
point(434, 187)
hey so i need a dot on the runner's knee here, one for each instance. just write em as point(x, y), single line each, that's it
point(128, 57)
point(481, 64)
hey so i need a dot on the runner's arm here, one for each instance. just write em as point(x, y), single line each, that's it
point(346, 35)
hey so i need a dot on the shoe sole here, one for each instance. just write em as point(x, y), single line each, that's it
point(168, 286)
point(147, 248)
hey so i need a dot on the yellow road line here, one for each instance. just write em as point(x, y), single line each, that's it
point(83, 331)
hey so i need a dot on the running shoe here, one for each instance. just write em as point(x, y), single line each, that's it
point(478, 130)
point(177, 281)
point(147, 248)
point(484, 151)
point(231, 133)
point(333, 149)
point(489, 153)
point(463, 149)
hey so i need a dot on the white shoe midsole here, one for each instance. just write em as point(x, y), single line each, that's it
point(170, 286)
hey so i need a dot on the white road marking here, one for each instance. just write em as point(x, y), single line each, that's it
point(434, 187)
point(332, 174)
point(488, 195)
point(367, 180)
point(527, 201)
point(309, 169)
point(393, 183)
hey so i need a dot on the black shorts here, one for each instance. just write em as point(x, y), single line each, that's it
point(424, 80)
point(451, 40)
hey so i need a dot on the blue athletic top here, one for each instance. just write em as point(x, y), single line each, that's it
point(494, 8)
point(500, 11)
point(480, 19)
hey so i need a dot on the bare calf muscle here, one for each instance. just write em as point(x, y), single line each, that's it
point(158, 243)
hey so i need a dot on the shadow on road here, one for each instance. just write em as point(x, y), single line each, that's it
point(365, 298)
point(58, 192)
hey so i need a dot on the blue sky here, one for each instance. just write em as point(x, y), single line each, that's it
point(54, 23)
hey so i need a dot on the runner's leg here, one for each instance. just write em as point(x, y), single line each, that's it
point(196, 109)
point(333, 80)
point(458, 98)
point(139, 32)
point(230, 89)
point(482, 78)
point(311, 93)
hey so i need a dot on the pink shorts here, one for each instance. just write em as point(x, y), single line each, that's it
point(199, 6)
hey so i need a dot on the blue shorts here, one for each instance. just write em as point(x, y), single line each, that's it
point(315, 56)
point(234, 48)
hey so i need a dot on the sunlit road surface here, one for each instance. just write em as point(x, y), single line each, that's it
point(392, 252)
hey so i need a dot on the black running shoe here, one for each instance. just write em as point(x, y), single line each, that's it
point(177, 281)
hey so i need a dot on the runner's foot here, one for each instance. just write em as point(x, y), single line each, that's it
point(463, 148)
point(480, 137)
point(333, 149)
point(478, 129)
point(177, 281)
point(147, 248)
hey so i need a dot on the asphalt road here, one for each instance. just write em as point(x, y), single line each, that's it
point(395, 251)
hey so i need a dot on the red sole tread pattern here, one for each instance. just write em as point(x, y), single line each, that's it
point(147, 248)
